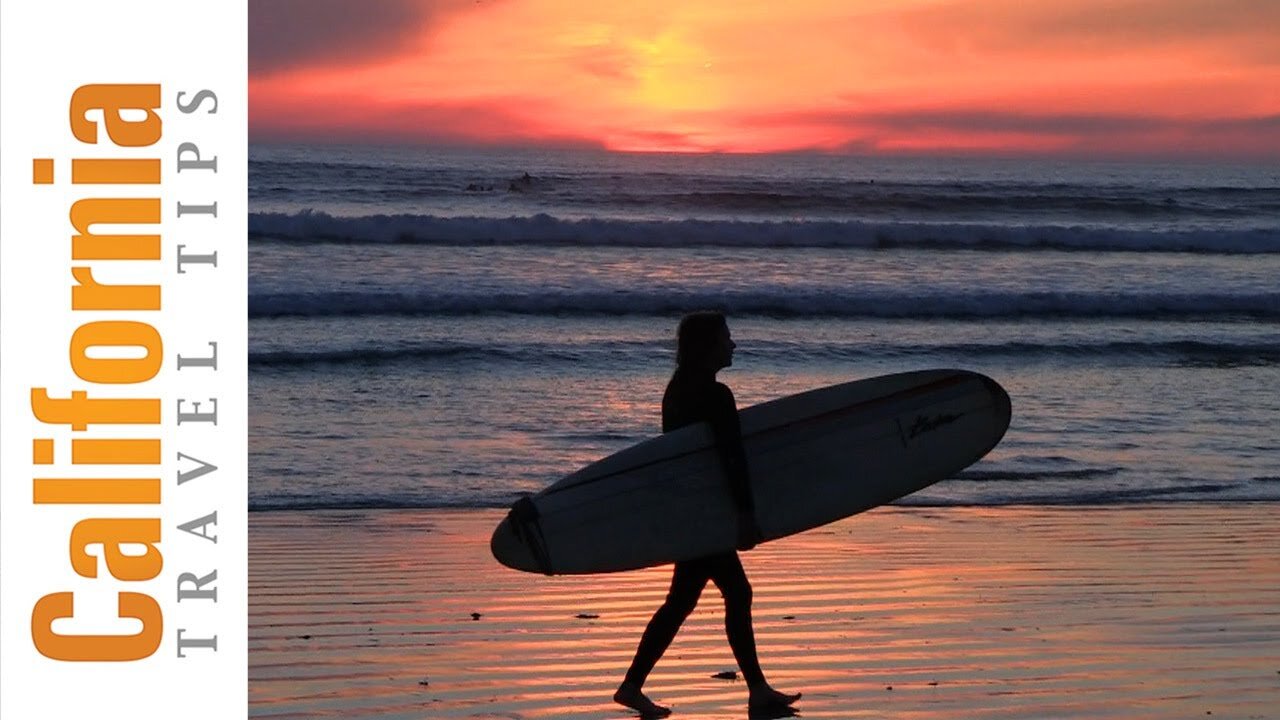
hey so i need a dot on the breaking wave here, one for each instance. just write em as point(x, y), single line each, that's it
point(547, 230)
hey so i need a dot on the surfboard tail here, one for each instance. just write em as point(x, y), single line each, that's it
point(508, 550)
point(518, 542)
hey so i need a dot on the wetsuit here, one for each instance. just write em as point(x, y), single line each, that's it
point(694, 396)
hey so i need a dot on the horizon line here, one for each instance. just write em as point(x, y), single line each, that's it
point(861, 152)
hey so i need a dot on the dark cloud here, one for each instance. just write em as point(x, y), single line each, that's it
point(1246, 29)
point(962, 120)
point(1266, 122)
point(498, 122)
point(663, 138)
point(1162, 20)
point(285, 34)
point(1246, 136)
point(1002, 121)
point(1011, 122)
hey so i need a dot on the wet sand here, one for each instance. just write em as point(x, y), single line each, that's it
point(1168, 611)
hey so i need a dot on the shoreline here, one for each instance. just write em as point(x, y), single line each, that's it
point(1101, 505)
point(1153, 610)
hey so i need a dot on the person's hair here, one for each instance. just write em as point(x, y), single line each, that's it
point(696, 335)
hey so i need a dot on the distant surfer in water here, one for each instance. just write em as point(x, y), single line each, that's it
point(703, 348)
point(521, 184)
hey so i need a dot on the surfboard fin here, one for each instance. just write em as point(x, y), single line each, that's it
point(524, 519)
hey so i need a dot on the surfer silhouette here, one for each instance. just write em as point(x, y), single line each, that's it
point(704, 346)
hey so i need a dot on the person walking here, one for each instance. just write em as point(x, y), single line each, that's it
point(704, 346)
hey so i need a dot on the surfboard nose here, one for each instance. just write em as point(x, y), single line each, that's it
point(1003, 406)
point(510, 550)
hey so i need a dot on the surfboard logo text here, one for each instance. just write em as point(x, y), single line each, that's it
point(925, 423)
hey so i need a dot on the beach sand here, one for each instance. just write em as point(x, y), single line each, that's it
point(1169, 611)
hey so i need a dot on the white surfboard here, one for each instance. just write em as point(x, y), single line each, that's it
point(814, 457)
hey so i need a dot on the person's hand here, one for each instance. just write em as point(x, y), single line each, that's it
point(749, 534)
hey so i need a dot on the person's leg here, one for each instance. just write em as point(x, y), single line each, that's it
point(731, 579)
point(687, 581)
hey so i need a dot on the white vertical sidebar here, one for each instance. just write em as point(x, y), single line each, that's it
point(123, 359)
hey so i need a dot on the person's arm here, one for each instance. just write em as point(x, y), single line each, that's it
point(727, 430)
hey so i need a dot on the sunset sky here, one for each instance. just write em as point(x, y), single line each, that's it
point(1163, 78)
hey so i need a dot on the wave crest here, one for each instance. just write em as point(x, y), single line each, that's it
point(543, 229)
point(777, 303)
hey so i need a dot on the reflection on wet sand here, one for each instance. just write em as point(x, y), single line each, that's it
point(1121, 612)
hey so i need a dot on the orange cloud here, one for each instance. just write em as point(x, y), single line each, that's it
point(1175, 77)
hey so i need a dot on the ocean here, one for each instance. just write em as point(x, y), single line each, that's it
point(450, 328)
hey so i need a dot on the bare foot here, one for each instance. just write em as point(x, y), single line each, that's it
point(764, 697)
point(630, 696)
